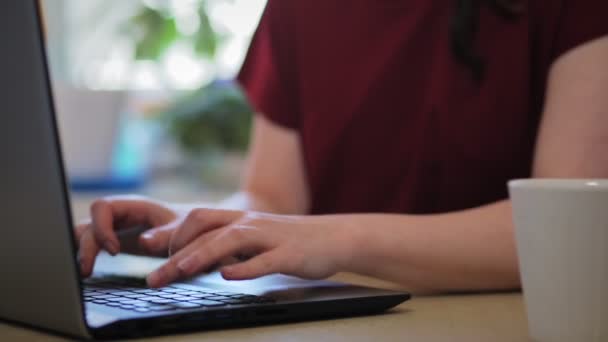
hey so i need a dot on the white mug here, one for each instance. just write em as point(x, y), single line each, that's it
point(89, 123)
point(561, 230)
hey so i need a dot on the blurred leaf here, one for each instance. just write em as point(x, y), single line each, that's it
point(205, 39)
point(214, 117)
point(154, 32)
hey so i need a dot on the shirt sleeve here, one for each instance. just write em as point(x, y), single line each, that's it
point(580, 21)
point(268, 74)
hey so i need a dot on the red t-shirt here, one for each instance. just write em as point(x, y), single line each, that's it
point(388, 120)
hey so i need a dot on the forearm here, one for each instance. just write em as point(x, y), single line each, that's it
point(462, 251)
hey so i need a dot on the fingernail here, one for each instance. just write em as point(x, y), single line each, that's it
point(227, 271)
point(111, 247)
point(187, 265)
point(148, 236)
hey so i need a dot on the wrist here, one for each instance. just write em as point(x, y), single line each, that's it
point(347, 240)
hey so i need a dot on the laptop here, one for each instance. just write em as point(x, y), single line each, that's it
point(41, 286)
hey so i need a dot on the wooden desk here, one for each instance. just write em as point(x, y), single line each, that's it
point(466, 318)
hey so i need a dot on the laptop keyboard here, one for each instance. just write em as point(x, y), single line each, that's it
point(130, 296)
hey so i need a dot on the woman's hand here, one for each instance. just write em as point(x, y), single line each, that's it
point(305, 246)
point(113, 214)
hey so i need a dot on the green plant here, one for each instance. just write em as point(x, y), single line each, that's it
point(155, 29)
point(213, 118)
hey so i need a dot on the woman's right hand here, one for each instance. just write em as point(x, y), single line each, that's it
point(112, 214)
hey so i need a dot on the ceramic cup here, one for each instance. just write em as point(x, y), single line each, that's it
point(89, 122)
point(561, 229)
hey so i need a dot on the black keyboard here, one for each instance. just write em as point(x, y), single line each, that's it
point(128, 295)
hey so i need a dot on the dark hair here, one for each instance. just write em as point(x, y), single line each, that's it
point(465, 25)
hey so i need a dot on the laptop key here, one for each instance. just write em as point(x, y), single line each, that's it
point(106, 296)
point(135, 295)
point(170, 295)
point(187, 293)
point(171, 290)
point(201, 295)
point(121, 293)
point(131, 301)
point(162, 301)
point(117, 299)
point(142, 310)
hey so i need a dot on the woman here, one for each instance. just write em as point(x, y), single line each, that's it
point(387, 133)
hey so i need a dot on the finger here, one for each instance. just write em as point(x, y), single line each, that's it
point(87, 252)
point(155, 241)
point(261, 265)
point(128, 211)
point(80, 229)
point(198, 256)
point(169, 270)
point(200, 221)
point(103, 226)
point(136, 210)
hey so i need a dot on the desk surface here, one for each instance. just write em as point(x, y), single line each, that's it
point(467, 318)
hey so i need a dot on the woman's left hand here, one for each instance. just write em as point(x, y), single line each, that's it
point(311, 247)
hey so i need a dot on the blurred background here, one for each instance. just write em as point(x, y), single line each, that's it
point(146, 96)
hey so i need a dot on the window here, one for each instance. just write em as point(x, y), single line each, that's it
point(106, 90)
point(92, 43)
